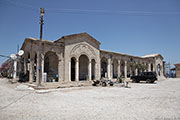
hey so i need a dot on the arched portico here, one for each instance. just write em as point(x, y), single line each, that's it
point(122, 68)
point(104, 64)
point(152, 67)
point(93, 69)
point(115, 68)
point(51, 66)
point(73, 69)
point(83, 67)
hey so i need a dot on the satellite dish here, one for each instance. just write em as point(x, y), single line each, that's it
point(13, 56)
point(21, 52)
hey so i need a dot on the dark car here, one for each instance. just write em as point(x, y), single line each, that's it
point(149, 77)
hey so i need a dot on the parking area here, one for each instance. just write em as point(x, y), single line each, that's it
point(142, 101)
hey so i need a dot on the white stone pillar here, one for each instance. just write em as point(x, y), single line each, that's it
point(37, 68)
point(95, 71)
point(109, 68)
point(125, 69)
point(119, 68)
point(59, 71)
point(162, 70)
point(15, 69)
point(31, 68)
point(112, 69)
point(25, 65)
point(69, 70)
point(42, 64)
point(136, 71)
point(77, 70)
point(149, 67)
point(89, 71)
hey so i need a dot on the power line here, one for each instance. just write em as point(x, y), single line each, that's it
point(4, 56)
point(88, 11)
point(20, 5)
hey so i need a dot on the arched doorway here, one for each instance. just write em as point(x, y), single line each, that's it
point(132, 67)
point(83, 67)
point(103, 67)
point(128, 69)
point(92, 69)
point(122, 68)
point(73, 68)
point(151, 67)
point(115, 68)
point(51, 66)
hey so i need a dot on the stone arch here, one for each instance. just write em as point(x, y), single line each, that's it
point(115, 68)
point(104, 63)
point(128, 69)
point(83, 67)
point(73, 68)
point(93, 63)
point(122, 63)
point(152, 67)
point(26, 67)
point(85, 49)
point(132, 68)
point(51, 66)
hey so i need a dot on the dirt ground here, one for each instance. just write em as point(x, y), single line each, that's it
point(159, 101)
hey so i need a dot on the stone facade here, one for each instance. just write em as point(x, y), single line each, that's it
point(177, 69)
point(78, 57)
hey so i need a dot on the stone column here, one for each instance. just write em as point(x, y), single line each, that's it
point(25, 66)
point(112, 69)
point(31, 68)
point(119, 68)
point(59, 70)
point(149, 67)
point(136, 71)
point(77, 70)
point(15, 69)
point(95, 70)
point(125, 69)
point(89, 70)
point(155, 69)
point(70, 70)
point(42, 63)
point(37, 68)
point(109, 68)
point(162, 70)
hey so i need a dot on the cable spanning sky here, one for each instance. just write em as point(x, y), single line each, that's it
point(135, 27)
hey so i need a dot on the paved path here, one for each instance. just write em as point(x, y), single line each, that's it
point(142, 101)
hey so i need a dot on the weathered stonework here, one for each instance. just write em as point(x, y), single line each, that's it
point(76, 57)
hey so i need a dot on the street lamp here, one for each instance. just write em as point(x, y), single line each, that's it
point(42, 11)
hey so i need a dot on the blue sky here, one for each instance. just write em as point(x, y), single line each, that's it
point(135, 27)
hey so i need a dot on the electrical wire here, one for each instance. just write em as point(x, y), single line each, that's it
point(4, 56)
point(86, 11)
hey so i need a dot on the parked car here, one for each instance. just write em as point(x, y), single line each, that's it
point(149, 77)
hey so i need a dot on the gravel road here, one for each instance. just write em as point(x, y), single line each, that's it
point(159, 101)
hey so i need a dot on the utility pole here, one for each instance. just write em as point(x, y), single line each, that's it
point(42, 11)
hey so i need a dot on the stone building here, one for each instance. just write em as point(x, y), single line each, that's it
point(77, 57)
point(177, 69)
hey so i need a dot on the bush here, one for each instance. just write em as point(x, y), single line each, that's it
point(120, 79)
